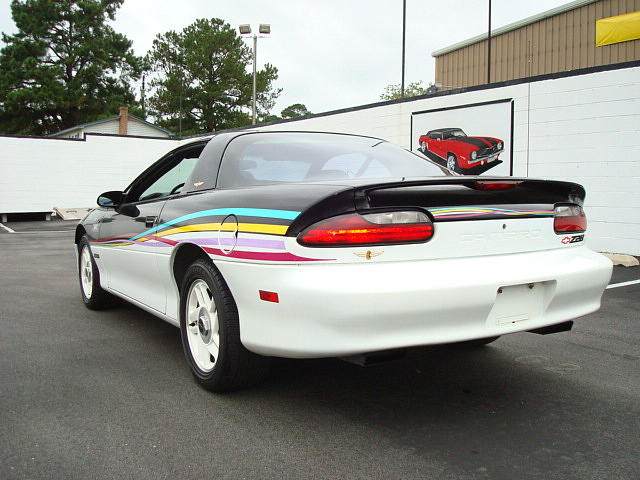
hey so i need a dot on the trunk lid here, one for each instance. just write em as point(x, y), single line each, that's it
point(472, 216)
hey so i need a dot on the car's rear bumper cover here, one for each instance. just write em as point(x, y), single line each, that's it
point(342, 309)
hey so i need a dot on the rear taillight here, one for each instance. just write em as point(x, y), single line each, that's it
point(369, 229)
point(494, 185)
point(569, 219)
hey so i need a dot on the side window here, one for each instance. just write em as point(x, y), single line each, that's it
point(171, 182)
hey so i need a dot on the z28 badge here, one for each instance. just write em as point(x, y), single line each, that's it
point(575, 239)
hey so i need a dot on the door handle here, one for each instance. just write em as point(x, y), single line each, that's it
point(149, 221)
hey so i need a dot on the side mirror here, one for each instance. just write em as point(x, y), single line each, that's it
point(110, 199)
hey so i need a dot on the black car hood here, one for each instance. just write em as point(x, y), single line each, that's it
point(476, 141)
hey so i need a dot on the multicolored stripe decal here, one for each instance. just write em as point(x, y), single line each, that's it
point(450, 213)
point(244, 248)
point(240, 212)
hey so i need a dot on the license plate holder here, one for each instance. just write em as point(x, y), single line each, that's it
point(517, 303)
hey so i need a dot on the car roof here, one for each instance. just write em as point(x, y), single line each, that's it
point(230, 134)
point(443, 130)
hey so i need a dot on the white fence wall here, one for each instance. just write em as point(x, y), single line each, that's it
point(581, 128)
point(39, 174)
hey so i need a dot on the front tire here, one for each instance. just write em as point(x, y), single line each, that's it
point(94, 296)
point(452, 163)
point(210, 332)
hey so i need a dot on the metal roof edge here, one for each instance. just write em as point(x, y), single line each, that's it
point(514, 26)
point(108, 119)
point(84, 125)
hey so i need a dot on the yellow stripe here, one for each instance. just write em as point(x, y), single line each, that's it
point(263, 228)
point(243, 227)
point(112, 244)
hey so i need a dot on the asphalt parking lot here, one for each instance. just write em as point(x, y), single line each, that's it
point(108, 395)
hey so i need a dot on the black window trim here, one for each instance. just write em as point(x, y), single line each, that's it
point(157, 169)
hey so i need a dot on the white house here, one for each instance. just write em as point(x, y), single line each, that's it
point(122, 124)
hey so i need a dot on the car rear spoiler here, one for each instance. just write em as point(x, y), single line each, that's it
point(479, 190)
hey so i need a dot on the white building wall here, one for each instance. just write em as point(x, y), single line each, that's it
point(38, 174)
point(110, 127)
point(142, 129)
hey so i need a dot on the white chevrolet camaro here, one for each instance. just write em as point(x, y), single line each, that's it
point(306, 245)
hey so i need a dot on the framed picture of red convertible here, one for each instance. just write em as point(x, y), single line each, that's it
point(467, 139)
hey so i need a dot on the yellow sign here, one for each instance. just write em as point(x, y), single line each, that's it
point(621, 28)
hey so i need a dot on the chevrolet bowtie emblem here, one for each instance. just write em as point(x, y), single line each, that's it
point(368, 254)
point(197, 184)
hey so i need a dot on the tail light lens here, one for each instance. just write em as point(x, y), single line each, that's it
point(369, 229)
point(569, 219)
point(493, 185)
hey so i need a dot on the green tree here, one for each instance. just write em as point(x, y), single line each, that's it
point(65, 66)
point(295, 110)
point(201, 83)
point(392, 92)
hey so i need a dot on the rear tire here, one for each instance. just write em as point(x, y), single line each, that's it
point(210, 333)
point(94, 296)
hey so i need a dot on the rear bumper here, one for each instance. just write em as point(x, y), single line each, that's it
point(342, 309)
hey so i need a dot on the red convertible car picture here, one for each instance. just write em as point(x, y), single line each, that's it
point(459, 152)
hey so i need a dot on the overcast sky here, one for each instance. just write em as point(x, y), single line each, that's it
point(330, 53)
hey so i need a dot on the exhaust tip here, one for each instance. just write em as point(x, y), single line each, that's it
point(557, 328)
point(370, 359)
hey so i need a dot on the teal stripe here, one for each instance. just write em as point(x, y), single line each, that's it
point(243, 212)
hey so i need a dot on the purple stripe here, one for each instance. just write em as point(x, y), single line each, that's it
point(213, 242)
point(242, 242)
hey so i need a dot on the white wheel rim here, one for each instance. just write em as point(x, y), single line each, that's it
point(86, 272)
point(424, 146)
point(202, 326)
point(451, 163)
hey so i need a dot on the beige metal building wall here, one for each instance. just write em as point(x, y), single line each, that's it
point(565, 41)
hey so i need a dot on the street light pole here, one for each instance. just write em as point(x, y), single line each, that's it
point(253, 105)
point(245, 29)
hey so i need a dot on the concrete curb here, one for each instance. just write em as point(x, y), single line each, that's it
point(620, 259)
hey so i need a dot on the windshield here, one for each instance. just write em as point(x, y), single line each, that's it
point(454, 133)
point(267, 158)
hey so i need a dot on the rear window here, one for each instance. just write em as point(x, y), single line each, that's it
point(267, 158)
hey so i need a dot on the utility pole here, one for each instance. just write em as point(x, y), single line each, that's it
point(404, 35)
point(180, 107)
point(489, 47)
point(142, 96)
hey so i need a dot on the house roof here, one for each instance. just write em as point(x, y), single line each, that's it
point(109, 119)
point(514, 26)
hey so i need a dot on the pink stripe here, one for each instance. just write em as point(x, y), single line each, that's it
point(267, 256)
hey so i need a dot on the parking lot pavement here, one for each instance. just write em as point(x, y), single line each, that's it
point(54, 225)
point(108, 395)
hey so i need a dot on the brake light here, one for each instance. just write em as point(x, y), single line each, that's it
point(488, 185)
point(569, 219)
point(369, 229)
